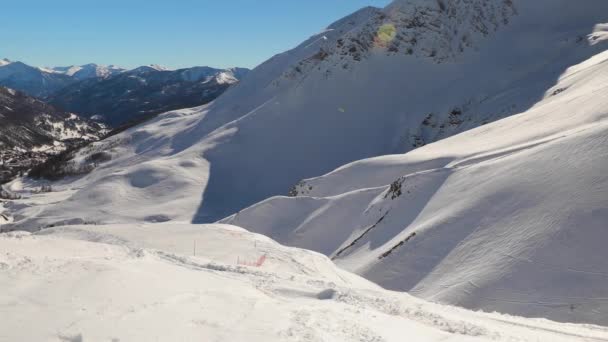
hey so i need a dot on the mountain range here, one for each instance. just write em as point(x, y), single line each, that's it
point(34, 81)
point(144, 92)
point(83, 72)
point(116, 95)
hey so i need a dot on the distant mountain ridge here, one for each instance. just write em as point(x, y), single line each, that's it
point(86, 71)
point(44, 81)
point(34, 81)
point(145, 91)
point(117, 95)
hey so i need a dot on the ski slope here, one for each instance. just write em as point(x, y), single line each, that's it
point(144, 283)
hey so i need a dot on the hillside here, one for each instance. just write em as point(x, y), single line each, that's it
point(31, 130)
point(510, 216)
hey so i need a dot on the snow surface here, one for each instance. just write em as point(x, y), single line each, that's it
point(82, 72)
point(511, 216)
point(145, 283)
point(508, 216)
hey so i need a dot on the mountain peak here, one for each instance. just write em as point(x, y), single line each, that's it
point(158, 67)
point(150, 67)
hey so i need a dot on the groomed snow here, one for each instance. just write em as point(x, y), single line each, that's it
point(143, 283)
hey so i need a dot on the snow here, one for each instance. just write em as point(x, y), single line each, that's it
point(151, 67)
point(62, 280)
point(146, 167)
point(600, 34)
point(82, 72)
point(226, 78)
point(484, 219)
point(207, 74)
point(507, 216)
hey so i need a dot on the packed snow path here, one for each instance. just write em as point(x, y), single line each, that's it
point(143, 283)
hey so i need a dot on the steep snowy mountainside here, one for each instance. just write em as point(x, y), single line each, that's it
point(260, 85)
point(188, 282)
point(268, 132)
point(386, 102)
point(510, 216)
point(145, 91)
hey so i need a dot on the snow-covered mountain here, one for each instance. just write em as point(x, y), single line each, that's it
point(44, 81)
point(31, 80)
point(145, 91)
point(147, 68)
point(173, 282)
point(320, 105)
point(507, 216)
point(142, 91)
point(92, 70)
point(510, 216)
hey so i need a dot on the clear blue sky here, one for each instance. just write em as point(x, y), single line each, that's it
point(174, 33)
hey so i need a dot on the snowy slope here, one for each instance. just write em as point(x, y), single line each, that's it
point(317, 114)
point(281, 125)
point(139, 283)
point(510, 216)
point(304, 113)
point(144, 175)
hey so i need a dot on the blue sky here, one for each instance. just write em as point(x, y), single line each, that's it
point(176, 33)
